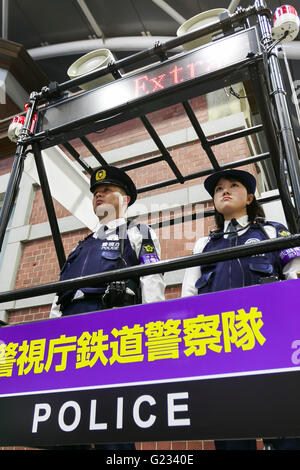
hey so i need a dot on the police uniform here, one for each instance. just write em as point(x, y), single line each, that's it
point(117, 245)
point(121, 244)
point(246, 271)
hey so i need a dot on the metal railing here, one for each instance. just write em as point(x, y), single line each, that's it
point(225, 254)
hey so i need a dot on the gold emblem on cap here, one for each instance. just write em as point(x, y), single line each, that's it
point(100, 175)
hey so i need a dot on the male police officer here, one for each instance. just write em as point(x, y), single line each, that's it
point(114, 245)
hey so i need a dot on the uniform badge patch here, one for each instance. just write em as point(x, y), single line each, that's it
point(100, 175)
point(284, 233)
point(252, 240)
point(110, 245)
point(149, 248)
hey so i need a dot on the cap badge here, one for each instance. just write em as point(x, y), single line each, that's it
point(100, 175)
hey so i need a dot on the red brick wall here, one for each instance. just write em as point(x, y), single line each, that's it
point(38, 264)
point(38, 212)
point(5, 165)
point(164, 121)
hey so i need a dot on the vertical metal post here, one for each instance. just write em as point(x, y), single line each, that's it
point(5, 4)
point(17, 169)
point(11, 191)
point(286, 133)
point(261, 94)
point(49, 204)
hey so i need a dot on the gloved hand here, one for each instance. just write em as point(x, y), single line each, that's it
point(114, 296)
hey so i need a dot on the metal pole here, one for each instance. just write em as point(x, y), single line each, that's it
point(17, 169)
point(49, 204)
point(5, 19)
point(157, 50)
point(261, 93)
point(11, 191)
point(265, 246)
point(285, 127)
point(284, 122)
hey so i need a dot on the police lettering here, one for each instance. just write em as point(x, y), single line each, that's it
point(111, 245)
point(176, 413)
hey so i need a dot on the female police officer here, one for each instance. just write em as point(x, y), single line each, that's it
point(240, 220)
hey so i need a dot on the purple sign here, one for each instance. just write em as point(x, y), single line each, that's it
point(245, 331)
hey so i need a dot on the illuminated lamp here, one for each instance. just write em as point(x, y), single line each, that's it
point(285, 24)
point(15, 127)
point(197, 22)
point(90, 62)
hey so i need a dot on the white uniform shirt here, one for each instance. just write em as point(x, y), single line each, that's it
point(152, 286)
point(193, 274)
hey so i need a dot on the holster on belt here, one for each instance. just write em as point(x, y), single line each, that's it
point(116, 295)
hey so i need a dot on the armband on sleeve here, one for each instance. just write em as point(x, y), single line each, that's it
point(148, 253)
point(288, 254)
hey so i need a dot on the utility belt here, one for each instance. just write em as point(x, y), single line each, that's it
point(115, 294)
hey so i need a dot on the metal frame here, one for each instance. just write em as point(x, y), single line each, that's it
point(261, 68)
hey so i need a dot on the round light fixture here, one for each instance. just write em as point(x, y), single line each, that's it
point(90, 62)
point(197, 22)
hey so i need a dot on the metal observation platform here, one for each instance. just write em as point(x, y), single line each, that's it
point(194, 397)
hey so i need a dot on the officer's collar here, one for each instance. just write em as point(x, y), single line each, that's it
point(113, 224)
point(242, 222)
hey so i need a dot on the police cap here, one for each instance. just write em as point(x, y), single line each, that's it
point(244, 177)
point(112, 175)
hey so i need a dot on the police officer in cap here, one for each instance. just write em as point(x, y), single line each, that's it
point(240, 220)
point(116, 244)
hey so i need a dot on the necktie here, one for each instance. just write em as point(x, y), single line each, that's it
point(232, 229)
point(101, 232)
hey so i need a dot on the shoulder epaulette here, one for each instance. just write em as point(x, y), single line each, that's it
point(85, 238)
point(281, 230)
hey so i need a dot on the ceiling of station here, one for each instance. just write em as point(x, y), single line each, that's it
point(57, 32)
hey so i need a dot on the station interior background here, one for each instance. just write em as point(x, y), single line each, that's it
point(40, 40)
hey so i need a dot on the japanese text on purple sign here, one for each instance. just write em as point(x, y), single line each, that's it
point(154, 341)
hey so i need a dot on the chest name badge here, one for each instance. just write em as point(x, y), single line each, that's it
point(111, 245)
